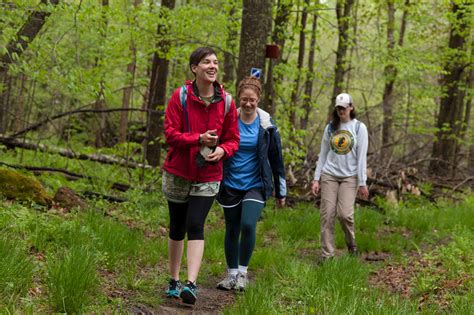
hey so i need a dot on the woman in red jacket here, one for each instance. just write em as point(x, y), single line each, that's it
point(201, 129)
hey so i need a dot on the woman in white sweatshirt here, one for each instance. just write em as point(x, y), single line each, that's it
point(341, 173)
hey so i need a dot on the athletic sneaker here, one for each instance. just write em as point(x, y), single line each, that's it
point(189, 293)
point(228, 283)
point(242, 281)
point(353, 251)
point(174, 289)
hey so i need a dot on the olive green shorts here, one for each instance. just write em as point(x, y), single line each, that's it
point(177, 189)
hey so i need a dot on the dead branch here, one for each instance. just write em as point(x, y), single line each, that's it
point(100, 158)
point(75, 112)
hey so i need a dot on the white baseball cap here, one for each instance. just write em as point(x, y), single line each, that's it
point(343, 100)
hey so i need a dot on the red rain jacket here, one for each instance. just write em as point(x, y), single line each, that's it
point(184, 146)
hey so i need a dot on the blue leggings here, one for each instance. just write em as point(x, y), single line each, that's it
point(241, 220)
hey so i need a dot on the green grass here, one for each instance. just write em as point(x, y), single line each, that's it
point(76, 262)
point(71, 280)
point(16, 270)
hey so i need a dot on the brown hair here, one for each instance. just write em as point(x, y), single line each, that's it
point(252, 83)
point(336, 121)
point(198, 55)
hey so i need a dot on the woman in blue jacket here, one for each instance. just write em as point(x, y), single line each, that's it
point(250, 177)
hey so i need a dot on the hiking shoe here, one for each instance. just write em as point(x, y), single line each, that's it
point(189, 293)
point(322, 260)
point(174, 289)
point(242, 281)
point(228, 283)
point(353, 251)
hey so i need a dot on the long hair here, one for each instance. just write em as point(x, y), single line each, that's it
point(336, 121)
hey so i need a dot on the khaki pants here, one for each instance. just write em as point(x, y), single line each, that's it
point(337, 198)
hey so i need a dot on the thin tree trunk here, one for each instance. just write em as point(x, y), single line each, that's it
point(390, 74)
point(308, 89)
point(157, 89)
point(278, 38)
point(127, 92)
point(231, 40)
point(343, 13)
point(100, 127)
point(452, 101)
point(19, 121)
point(301, 50)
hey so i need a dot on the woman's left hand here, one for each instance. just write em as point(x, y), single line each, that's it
point(281, 202)
point(364, 192)
point(216, 155)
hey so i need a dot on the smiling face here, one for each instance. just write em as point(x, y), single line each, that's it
point(248, 100)
point(206, 69)
point(344, 113)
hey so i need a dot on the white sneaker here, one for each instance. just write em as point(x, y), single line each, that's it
point(242, 281)
point(228, 283)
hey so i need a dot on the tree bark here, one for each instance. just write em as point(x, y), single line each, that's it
point(308, 87)
point(301, 50)
point(127, 92)
point(231, 41)
point(343, 13)
point(278, 38)
point(157, 88)
point(101, 126)
point(255, 28)
point(390, 74)
point(452, 100)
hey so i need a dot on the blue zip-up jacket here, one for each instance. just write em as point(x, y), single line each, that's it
point(270, 158)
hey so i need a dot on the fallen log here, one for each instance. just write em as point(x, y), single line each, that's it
point(100, 158)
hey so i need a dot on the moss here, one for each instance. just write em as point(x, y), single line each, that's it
point(14, 185)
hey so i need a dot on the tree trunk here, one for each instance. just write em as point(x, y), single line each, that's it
point(390, 74)
point(278, 38)
point(308, 87)
point(15, 49)
point(452, 100)
point(301, 50)
point(127, 92)
point(255, 28)
point(343, 12)
point(229, 54)
point(100, 126)
point(157, 88)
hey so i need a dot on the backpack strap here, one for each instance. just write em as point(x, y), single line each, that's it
point(183, 96)
point(357, 127)
point(330, 129)
point(228, 101)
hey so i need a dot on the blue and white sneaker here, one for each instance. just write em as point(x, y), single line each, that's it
point(189, 293)
point(174, 289)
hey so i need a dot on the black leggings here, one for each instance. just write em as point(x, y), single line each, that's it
point(189, 218)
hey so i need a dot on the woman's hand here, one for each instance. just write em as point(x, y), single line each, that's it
point(364, 192)
point(315, 187)
point(216, 155)
point(281, 202)
point(209, 138)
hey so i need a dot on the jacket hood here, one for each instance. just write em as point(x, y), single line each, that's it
point(265, 118)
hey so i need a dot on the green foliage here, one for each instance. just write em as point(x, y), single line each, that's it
point(16, 270)
point(71, 279)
